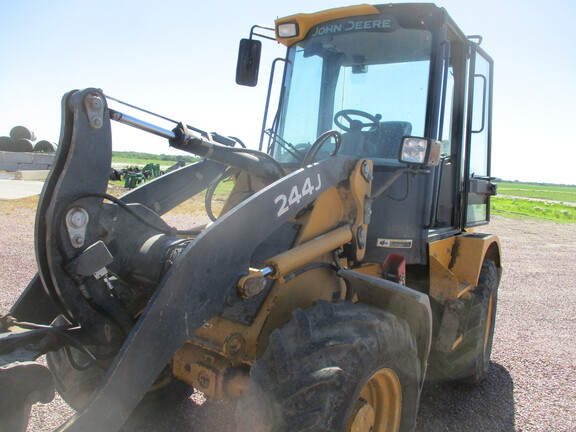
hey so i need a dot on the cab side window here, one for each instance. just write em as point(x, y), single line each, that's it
point(478, 137)
point(450, 134)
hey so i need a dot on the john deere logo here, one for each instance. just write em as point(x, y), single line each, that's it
point(381, 23)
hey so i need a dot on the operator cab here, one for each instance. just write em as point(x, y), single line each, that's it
point(364, 76)
point(383, 76)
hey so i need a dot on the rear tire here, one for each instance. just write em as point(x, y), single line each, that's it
point(335, 367)
point(469, 362)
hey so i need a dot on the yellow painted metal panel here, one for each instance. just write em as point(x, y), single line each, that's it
point(469, 252)
point(443, 283)
point(442, 250)
point(307, 21)
point(455, 264)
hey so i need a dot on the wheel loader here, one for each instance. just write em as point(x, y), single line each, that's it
point(341, 273)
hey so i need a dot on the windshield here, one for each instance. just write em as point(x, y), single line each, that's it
point(365, 77)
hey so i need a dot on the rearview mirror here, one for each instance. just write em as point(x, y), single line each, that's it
point(248, 62)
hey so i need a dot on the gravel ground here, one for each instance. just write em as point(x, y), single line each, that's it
point(532, 380)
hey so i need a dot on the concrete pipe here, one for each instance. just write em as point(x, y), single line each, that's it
point(23, 145)
point(18, 132)
point(6, 144)
point(44, 146)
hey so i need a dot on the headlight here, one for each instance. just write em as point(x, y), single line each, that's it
point(419, 151)
point(287, 30)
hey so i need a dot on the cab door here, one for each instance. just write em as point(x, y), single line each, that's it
point(478, 187)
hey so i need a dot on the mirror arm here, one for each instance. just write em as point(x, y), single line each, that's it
point(253, 33)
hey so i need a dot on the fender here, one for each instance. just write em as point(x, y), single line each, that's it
point(470, 250)
point(408, 304)
point(455, 263)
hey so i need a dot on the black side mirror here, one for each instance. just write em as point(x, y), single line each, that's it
point(248, 62)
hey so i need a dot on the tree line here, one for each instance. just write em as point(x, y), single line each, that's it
point(149, 156)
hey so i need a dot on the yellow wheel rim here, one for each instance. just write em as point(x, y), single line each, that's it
point(379, 406)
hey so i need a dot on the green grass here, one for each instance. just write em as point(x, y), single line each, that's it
point(125, 159)
point(224, 188)
point(524, 208)
point(550, 192)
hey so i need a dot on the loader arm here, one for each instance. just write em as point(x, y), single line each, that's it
point(194, 290)
point(83, 242)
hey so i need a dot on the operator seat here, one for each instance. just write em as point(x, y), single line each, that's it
point(385, 141)
point(354, 142)
point(381, 143)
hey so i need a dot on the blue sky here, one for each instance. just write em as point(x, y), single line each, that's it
point(178, 58)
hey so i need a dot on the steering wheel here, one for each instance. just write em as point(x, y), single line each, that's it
point(356, 125)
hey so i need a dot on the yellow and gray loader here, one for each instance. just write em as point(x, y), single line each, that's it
point(341, 273)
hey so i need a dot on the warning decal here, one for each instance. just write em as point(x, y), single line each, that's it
point(393, 243)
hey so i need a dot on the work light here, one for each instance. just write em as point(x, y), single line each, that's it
point(419, 151)
point(287, 30)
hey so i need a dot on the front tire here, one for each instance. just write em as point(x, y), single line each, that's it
point(468, 364)
point(338, 367)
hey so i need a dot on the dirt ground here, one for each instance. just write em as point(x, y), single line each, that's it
point(532, 381)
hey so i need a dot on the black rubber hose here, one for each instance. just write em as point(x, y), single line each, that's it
point(313, 151)
point(124, 206)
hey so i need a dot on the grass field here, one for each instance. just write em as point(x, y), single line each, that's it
point(193, 206)
point(196, 204)
point(520, 208)
point(555, 193)
point(121, 159)
point(542, 202)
